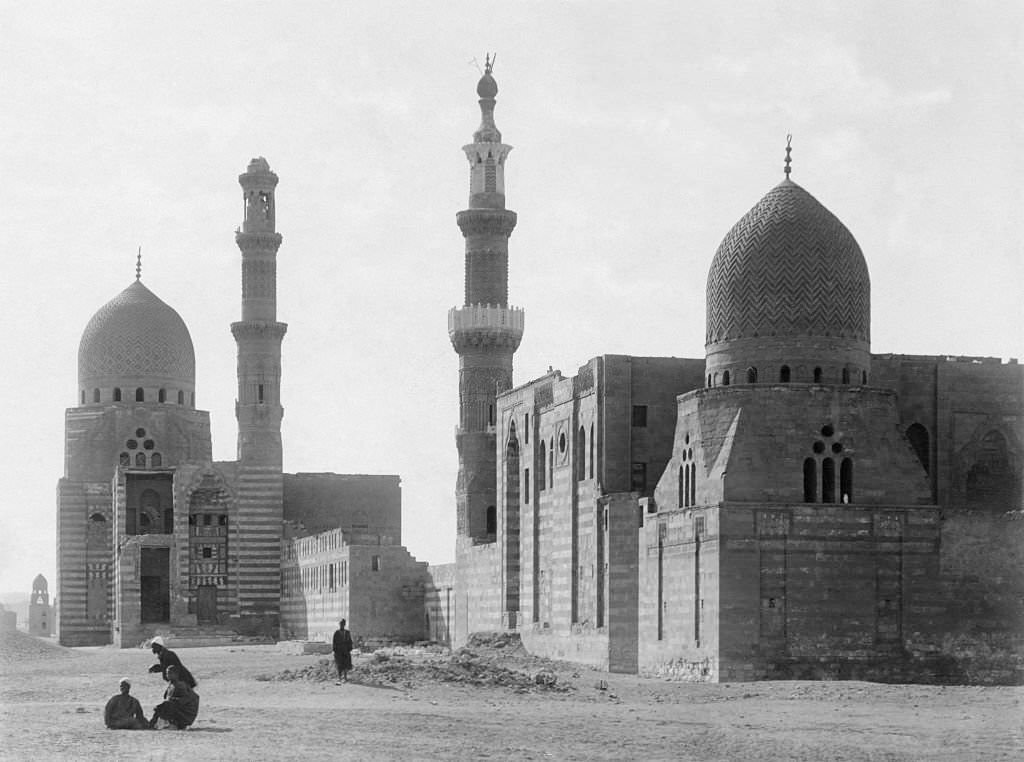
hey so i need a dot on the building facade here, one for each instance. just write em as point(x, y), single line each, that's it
point(155, 537)
point(789, 505)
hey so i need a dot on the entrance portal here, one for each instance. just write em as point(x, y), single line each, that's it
point(155, 584)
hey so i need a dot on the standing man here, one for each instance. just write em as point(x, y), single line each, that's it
point(169, 659)
point(343, 651)
point(123, 711)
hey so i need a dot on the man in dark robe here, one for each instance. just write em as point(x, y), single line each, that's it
point(123, 711)
point(180, 705)
point(342, 651)
point(167, 659)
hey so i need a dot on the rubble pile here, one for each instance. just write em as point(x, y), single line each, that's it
point(491, 661)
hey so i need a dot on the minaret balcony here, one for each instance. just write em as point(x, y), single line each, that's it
point(485, 325)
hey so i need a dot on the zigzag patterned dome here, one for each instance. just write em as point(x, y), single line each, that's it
point(788, 268)
point(136, 339)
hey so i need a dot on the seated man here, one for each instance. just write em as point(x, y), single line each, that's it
point(168, 658)
point(124, 712)
point(180, 705)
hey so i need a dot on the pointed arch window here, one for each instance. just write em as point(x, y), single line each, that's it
point(920, 441)
point(117, 394)
point(95, 395)
point(846, 480)
point(810, 480)
point(828, 481)
point(682, 487)
point(751, 375)
point(784, 374)
point(591, 451)
point(542, 471)
point(693, 484)
point(817, 375)
point(140, 395)
point(725, 378)
point(162, 395)
point(581, 454)
point(181, 397)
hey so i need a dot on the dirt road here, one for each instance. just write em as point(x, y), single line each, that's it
point(51, 707)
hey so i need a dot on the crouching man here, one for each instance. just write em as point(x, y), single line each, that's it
point(180, 705)
point(123, 711)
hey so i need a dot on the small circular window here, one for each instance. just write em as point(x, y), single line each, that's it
point(837, 447)
point(827, 430)
point(131, 444)
point(149, 444)
point(819, 447)
point(140, 433)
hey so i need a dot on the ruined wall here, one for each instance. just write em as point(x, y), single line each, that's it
point(478, 591)
point(386, 598)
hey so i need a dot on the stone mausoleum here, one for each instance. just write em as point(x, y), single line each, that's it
point(789, 505)
point(155, 537)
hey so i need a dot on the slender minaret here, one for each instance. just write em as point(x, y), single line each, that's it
point(258, 407)
point(485, 331)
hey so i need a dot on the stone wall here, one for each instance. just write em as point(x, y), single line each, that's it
point(439, 600)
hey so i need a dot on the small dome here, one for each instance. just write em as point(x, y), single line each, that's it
point(136, 339)
point(788, 268)
point(487, 87)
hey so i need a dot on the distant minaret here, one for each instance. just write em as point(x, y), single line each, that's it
point(260, 492)
point(485, 331)
point(258, 334)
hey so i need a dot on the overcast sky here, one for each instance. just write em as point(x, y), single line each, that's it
point(643, 131)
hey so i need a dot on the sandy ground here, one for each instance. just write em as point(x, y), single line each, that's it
point(257, 703)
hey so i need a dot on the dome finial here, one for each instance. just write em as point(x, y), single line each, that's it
point(789, 142)
point(138, 265)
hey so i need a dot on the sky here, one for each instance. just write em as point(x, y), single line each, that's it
point(642, 131)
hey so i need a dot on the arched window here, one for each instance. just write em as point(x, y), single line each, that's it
point(817, 375)
point(828, 481)
point(181, 397)
point(140, 459)
point(846, 480)
point(686, 485)
point(83, 397)
point(490, 413)
point(95, 395)
point(920, 441)
point(125, 459)
point(709, 380)
point(693, 484)
point(156, 461)
point(683, 493)
point(542, 472)
point(784, 374)
point(259, 393)
point(140, 395)
point(492, 520)
point(725, 378)
point(846, 375)
point(162, 395)
point(117, 394)
point(591, 451)
point(864, 377)
point(581, 454)
point(810, 480)
point(551, 463)
point(751, 375)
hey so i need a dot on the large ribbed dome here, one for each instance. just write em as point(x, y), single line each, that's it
point(136, 339)
point(788, 268)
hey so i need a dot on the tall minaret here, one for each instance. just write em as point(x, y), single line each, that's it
point(260, 486)
point(485, 331)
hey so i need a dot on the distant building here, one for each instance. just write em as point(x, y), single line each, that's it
point(156, 537)
point(8, 619)
point(40, 612)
